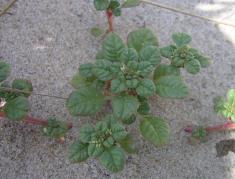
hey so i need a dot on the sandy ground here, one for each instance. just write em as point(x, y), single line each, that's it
point(46, 40)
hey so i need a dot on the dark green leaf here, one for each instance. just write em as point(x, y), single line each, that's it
point(78, 152)
point(86, 132)
point(165, 70)
point(129, 54)
point(102, 70)
point(150, 54)
point(145, 68)
point(109, 142)
point(171, 87)
point(85, 70)
point(129, 120)
point(168, 52)
point(23, 85)
point(141, 38)
point(181, 39)
point(101, 5)
point(155, 130)
point(118, 86)
point(85, 101)
point(146, 88)
point(17, 109)
point(4, 71)
point(112, 47)
point(79, 81)
point(124, 106)
point(133, 83)
point(113, 159)
point(144, 108)
point(95, 149)
point(117, 12)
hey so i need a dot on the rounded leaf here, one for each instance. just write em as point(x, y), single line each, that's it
point(171, 87)
point(150, 54)
point(102, 70)
point(146, 88)
point(128, 144)
point(78, 152)
point(23, 85)
point(129, 54)
point(85, 101)
point(113, 159)
point(141, 38)
point(118, 86)
point(168, 51)
point(17, 109)
point(85, 70)
point(124, 106)
point(85, 133)
point(165, 70)
point(131, 3)
point(193, 66)
point(129, 120)
point(181, 39)
point(155, 130)
point(101, 5)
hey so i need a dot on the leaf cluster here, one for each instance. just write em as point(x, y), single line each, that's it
point(114, 5)
point(14, 104)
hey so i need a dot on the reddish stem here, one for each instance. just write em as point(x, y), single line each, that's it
point(229, 125)
point(109, 14)
point(34, 121)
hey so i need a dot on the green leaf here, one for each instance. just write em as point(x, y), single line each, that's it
point(108, 142)
point(145, 68)
point(129, 120)
point(141, 38)
point(85, 101)
point(133, 83)
point(102, 70)
point(229, 105)
point(124, 106)
point(23, 85)
point(79, 81)
point(96, 31)
point(181, 39)
point(113, 159)
point(78, 152)
point(193, 66)
point(4, 71)
point(144, 108)
point(95, 149)
point(129, 54)
point(204, 61)
point(168, 52)
point(112, 47)
point(146, 88)
point(171, 87)
point(219, 104)
point(117, 12)
point(101, 5)
point(150, 54)
point(118, 131)
point(165, 70)
point(155, 130)
point(85, 70)
point(17, 109)
point(128, 144)
point(86, 132)
point(131, 3)
point(118, 86)
point(55, 128)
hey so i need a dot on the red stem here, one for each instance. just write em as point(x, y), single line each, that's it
point(229, 125)
point(34, 121)
point(109, 14)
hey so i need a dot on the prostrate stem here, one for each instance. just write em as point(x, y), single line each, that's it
point(35, 121)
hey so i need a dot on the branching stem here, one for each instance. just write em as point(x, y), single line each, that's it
point(34, 121)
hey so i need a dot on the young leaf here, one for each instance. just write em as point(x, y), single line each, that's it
point(95, 149)
point(78, 152)
point(96, 31)
point(155, 130)
point(112, 47)
point(23, 85)
point(85, 101)
point(181, 39)
point(86, 133)
point(55, 129)
point(165, 70)
point(141, 38)
point(171, 87)
point(129, 120)
point(131, 3)
point(193, 66)
point(128, 144)
point(146, 88)
point(133, 83)
point(109, 142)
point(150, 54)
point(102, 70)
point(4, 71)
point(124, 106)
point(101, 5)
point(145, 68)
point(113, 159)
point(85, 70)
point(168, 52)
point(16, 109)
point(118, 86)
